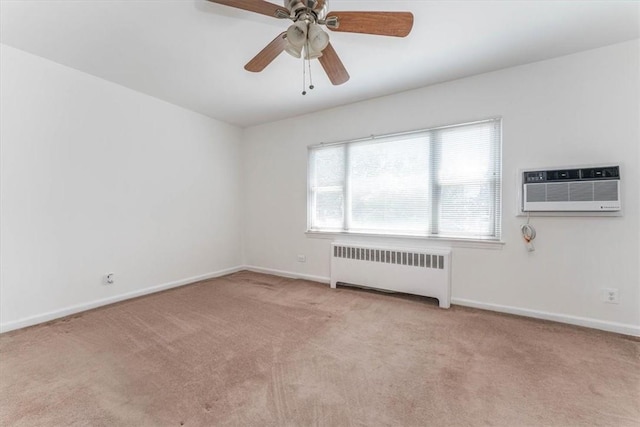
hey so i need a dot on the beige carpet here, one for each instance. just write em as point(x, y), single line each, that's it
point(257, 350)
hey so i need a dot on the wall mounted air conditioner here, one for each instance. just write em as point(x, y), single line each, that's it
point(588, 189)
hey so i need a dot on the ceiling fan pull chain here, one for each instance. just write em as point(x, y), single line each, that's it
point(304, 77)
point(311, 86)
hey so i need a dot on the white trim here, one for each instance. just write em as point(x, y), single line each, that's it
point(56, 314)
point(404, 133)
point(452, 242)
point(289, 274)
point(620, 328)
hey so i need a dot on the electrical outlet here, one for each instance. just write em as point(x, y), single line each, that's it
point(610, 295)
point(109, 278)
point(302, 258)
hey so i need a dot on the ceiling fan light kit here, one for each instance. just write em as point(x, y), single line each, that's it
point(318, 39)
point(296, 39)
point(306, 35)
point(297, 34)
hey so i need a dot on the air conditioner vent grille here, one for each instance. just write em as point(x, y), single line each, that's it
point(581, 191)
point(557, 192)
point(606, 191)
point(536, 192)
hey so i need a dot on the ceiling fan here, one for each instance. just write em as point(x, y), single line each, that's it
point(306, 38)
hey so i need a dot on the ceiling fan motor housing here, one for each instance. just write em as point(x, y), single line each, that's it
point(316, 8)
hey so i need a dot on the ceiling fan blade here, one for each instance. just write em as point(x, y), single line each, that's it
point(333, 66)
point(257, 6)
point(397, 24)
point(268, 54)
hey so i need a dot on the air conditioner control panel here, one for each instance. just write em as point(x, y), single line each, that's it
point(583, 174)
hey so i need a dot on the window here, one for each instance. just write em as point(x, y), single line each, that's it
point(442, 182)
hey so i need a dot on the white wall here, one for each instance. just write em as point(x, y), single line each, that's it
point(573, 110)
point(97, 178)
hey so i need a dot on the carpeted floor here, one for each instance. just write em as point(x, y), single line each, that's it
point(257, 350)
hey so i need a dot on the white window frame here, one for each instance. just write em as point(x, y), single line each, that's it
point(435, 190)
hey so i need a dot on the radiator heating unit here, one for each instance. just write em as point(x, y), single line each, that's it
point(425, 272)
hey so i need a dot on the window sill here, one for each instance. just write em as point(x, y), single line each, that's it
point(441, 241)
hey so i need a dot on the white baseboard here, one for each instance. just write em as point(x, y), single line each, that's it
point(620, 328)
point(288, 274)
point(56, 314)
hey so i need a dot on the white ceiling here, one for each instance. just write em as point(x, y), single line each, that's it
point(192, 52)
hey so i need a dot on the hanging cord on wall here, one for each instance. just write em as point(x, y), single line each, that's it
point(528, 234)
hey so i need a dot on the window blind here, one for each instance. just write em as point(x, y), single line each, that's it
point(442, 182)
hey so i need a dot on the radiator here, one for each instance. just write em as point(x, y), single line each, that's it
point(423, 272)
